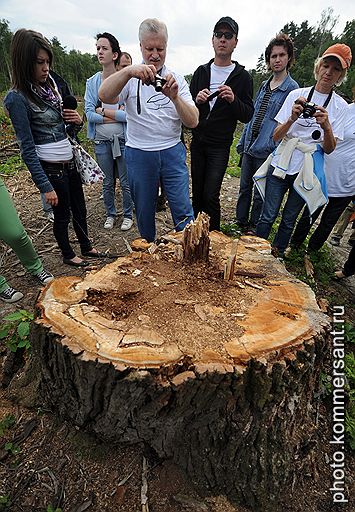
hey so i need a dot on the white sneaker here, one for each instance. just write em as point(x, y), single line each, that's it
point(44, 277)
point(10, 295)
point(109, 223)
point(50, 216)
point(126, 224)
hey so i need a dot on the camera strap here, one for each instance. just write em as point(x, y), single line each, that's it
point(326, 103)
point(139, 109)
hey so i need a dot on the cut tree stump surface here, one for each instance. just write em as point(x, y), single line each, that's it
point(150, 311)
point(217, 374)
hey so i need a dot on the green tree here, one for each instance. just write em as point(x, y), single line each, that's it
point(5, 67)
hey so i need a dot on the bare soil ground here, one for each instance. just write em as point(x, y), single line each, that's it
point(61, 466)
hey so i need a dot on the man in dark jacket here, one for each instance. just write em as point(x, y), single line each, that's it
point(222, 90)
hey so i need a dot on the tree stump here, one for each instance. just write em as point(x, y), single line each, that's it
point(217, 374)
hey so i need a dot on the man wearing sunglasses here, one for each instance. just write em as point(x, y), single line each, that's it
point(223, 92)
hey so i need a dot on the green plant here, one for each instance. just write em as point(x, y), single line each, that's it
point(349, 332)
point(12, 166)
point(325, 382)
point(5, 502)
point(350, 427)
point(233, 167)
point(52, 509)
point(16, 329)
point(7, 422)
point(12, 448)
point(231, 229)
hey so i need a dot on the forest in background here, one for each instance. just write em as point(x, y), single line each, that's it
point(310, 42)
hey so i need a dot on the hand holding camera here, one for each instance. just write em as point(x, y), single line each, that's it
point(308, 108)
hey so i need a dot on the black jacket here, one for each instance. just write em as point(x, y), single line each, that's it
point(217, 126)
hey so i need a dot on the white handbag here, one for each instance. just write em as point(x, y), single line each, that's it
point(87, 166)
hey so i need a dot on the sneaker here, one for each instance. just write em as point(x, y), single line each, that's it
point(109, 223)
point(44, 277)
point(126, 224)
point(50, 216)
point(10, 295)
point(335, 241)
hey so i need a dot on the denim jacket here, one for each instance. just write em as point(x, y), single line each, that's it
point(264, 144)
point(91, 99)
point(34, 125)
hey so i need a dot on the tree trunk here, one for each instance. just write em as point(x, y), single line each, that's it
point(216, 374)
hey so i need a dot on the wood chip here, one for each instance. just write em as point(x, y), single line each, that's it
point(253, 285)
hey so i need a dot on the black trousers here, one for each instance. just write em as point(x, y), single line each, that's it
point(208, 166)
point(330, 216)
point(67, 184)
point(349, 266)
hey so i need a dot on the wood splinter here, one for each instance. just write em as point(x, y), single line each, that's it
point(230, 263)
point(144, 488)
point(196, 240)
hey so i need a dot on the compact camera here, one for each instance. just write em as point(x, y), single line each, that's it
point(309, 109)
point(158, 83)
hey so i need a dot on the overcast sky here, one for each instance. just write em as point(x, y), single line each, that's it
point(190, 23)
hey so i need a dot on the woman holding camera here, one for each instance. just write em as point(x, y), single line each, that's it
point(310, 122)
point(34, 106)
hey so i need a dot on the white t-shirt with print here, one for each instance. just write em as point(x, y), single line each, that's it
point(339, 166)
point(158, 126)
point(303, 128)
point(219, 75)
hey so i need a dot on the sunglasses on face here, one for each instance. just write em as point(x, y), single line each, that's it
point(227, 35)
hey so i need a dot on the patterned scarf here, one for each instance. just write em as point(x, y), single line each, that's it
point(48, 95)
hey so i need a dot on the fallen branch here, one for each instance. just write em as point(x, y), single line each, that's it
point(144, 488)
point(248, 274)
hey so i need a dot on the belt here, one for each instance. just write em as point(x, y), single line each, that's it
point(62, 166)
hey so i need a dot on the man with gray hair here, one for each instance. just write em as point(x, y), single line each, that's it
point(157, 101)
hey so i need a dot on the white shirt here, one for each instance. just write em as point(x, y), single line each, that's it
point(158, 126)
point(219, 75)
point(339, 166)
point(303, 128)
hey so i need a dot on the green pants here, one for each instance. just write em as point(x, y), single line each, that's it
point(13, 234)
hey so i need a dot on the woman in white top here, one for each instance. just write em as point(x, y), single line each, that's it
point(339, 169)
point(35, 108)
point(311, 120)
point(107, 127)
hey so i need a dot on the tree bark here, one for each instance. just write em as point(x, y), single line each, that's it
point(224, 389)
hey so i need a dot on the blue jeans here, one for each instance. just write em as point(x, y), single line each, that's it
point(248, 168)
point(145, 170)
point(46, 207)
point(275, 190)
point(208, 167)
point(114, 168)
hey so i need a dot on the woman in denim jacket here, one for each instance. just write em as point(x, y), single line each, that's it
point(107, 127)
point(256, 142)
point(34, 106)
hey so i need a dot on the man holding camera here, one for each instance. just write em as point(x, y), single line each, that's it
point(223, 92)
point(157, 102)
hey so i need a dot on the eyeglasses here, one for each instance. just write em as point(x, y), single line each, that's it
point(227, 35)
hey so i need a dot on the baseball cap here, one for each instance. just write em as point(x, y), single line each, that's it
point(227, 20)
point(340, 51)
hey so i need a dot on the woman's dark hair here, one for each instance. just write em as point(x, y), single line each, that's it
point(115, 45)
point(284, 40)
point(24, 49)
